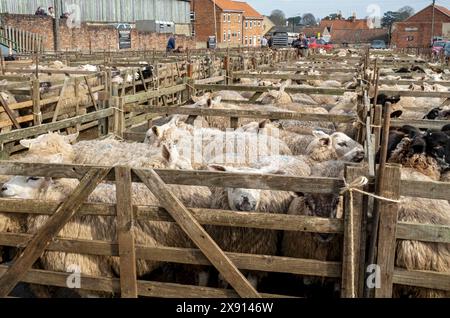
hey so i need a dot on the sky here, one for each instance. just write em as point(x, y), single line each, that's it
point(321, 8)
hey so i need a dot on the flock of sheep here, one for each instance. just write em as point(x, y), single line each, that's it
point(286, 147)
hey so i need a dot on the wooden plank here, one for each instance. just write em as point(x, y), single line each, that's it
point(266, 263)
point(55, 223)
point(390, 188)
point(305, 90)
point(91, 94)
point(425, 279)
point(60, 101)
point(36, 99)
point(143, 97)
point(9, 112)
point(45, 128)
point(429, 189)
point(210, 80)
point(392, 92)
point(127, 252)
point(243, 113)
point(423, 232)
point(187, 177)
point(49, 71)
point(267, 220)
point(197, 234)
point(292, 76)
point(352, 249)
point(145, 288)
point(420, 123)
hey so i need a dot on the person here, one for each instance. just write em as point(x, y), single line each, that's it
point(171, 44)
point(302, 46)
point(51, 12)
point(270, 42)
point(264, 42)
point(40, 11)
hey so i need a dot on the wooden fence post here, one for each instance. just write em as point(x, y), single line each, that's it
point(354, 238)
point(127, 251)
point(119, 116)
point(390, 188)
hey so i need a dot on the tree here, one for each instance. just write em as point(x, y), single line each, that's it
point(396, 16)
point(309, 19)
point(278, 17)
point(294, 20)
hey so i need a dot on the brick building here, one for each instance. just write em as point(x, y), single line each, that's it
point(235, 22)
point(416, 30)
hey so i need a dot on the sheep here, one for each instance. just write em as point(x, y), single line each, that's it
point(50, 144)
point(149, 233)
point(240, 240)
point(318, 246)
point(4, 118)
point(279, 97)
point(417, 255)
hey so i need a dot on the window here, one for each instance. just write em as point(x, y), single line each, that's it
point(259, 23)
point(224, 36)
point(250, 41)
point(224, 17)
point(410, 38)
point(246, 40)
point(229, 35)
point(229, 17)
point(251, 23)
point(246, 24)
point(192, 16)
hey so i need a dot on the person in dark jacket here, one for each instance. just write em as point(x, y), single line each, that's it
point(302, 45)
point(171, 44)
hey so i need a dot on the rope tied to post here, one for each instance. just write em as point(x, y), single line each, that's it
point(351, 187)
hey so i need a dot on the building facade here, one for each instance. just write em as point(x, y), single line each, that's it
point(416, 30)
point(233, 23)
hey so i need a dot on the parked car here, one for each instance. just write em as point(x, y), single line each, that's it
point(280, 39)
point(447, 51)
point(437, 47)
point(320, 44)
point(378, 45)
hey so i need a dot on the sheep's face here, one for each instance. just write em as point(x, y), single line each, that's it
point(321, 148)
point(323, 206)
point(438, 146)
point(165, 133)
point(347, 149)
point(244, 199)
point(174, 160)
point(240, 199)
point(20, 187)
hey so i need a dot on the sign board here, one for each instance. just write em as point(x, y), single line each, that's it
point(124, 36)
point(411, 29)
point(446, 30)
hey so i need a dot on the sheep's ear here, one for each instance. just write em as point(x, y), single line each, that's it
point(166, 152)
point(58, 158)
point(72, 138)
point(273, 170)
point(263, 123)
point(26, 143)
point(209, 102)
point(156, 131)
point(217, 168)
point(320, 134)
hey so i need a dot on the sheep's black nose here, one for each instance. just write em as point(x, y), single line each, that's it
point(245, 200)
point(4, 188)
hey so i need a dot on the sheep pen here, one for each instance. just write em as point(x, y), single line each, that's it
point(288, 217)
